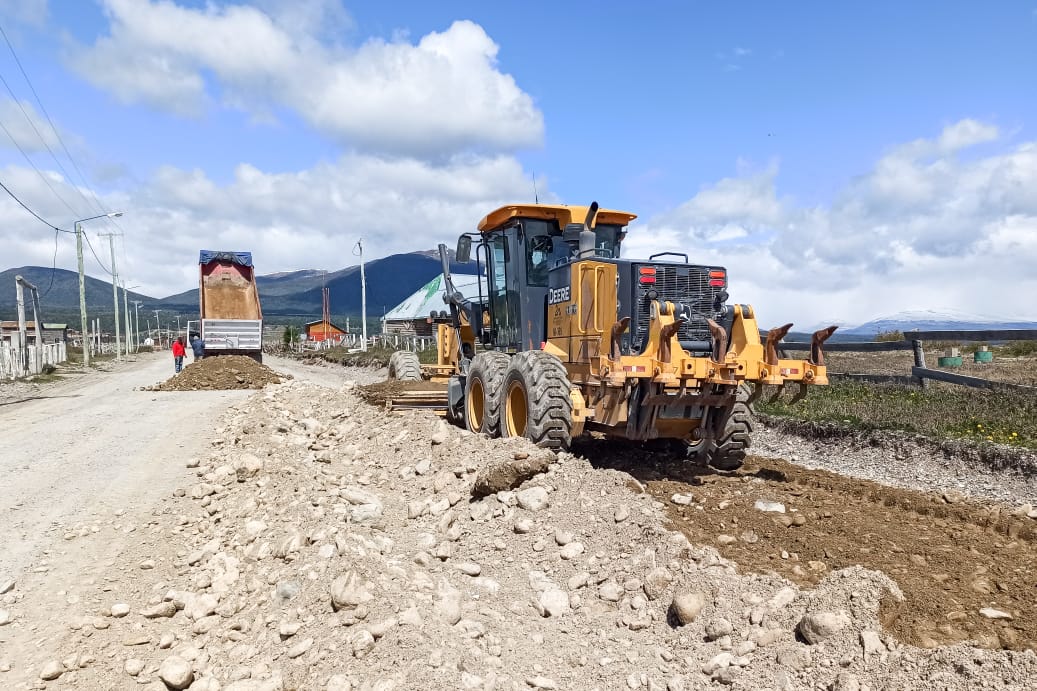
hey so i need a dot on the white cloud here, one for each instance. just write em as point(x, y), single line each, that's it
point(297, 220)
point(923, 229)
point(26, 127)
point(32, 12)
point(963, 236)
point(439, 96)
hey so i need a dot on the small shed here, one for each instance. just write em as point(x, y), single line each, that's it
point(315, 331)
point(52, 333)
point(411, 317)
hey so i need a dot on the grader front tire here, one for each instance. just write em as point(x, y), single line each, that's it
point(404, 366)
point(729, 450)
point(482, 392)
point(536, 400)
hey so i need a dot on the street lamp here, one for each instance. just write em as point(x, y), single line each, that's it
point(82, 279)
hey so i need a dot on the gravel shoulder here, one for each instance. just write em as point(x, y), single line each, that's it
point(85, 460)
point(308, 540)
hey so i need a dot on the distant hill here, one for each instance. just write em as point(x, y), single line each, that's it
point(929, 320)
point(390, 280)
point(63, 292)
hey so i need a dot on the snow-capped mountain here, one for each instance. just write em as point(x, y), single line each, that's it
point(933, 320)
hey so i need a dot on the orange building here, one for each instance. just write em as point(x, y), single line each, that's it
point(315, 331)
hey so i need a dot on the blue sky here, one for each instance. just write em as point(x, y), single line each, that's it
point(886, 151)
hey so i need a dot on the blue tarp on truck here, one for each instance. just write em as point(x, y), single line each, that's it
point(242, 258)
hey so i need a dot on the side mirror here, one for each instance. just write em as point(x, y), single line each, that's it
point(463, 254)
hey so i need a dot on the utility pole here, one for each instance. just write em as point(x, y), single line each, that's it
point(126, 313)
point(363, 293)
point(82, 279)
point(82, 296)
point(158, 329)
point(136, 319)
point(115, 292)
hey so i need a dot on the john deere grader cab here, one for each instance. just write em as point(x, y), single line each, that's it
point(569, 338)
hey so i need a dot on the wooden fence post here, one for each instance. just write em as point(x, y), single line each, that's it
point(920, 361)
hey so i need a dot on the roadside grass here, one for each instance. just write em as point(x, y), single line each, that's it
point(999, 416)
point(75, 357)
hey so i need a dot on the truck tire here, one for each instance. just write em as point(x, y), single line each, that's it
point(728, 451)
point(404, 366)
point(536, 400)
point(482, 392)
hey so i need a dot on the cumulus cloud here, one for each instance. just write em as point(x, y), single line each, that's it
point(32, 12)
point(925, 228)
point(439, 96)
point(25, 127)
point(296, 220)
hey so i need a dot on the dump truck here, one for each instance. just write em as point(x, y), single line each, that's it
point(228, 298)
point(572, 338)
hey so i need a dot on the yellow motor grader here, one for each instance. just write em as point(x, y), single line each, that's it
point(565, 337)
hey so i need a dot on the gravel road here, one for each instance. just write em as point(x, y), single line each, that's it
point(87, 451)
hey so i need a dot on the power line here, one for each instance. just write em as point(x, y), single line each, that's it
point(38, 171)
point(93, 252)
point(53, 127)
point(43, 109)
point(26, 208)
point(39, 135)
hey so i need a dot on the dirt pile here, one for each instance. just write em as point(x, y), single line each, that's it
point(329, 544)
point(220, 373)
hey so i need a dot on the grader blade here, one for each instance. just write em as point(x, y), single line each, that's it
point(395, 395)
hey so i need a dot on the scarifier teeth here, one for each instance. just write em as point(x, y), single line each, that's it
point(719, 341)
point(800, 395)
point(757, 392)
point(774, 337)
point(817, 341)
point(777, 394)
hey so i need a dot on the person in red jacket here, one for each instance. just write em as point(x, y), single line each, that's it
point(178, 354)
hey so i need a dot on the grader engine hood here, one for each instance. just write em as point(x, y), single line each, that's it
point(701, 290)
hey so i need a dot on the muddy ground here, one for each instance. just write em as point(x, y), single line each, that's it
point(950, 556)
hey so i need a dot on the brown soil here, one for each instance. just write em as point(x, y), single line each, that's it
point(221, 372)
point(950, 559)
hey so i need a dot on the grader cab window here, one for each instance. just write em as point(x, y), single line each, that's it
point(503, 302)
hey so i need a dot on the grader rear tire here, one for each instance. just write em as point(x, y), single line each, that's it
point(729, 450)
point(536, 400)
point(482, 392)
point(404, 366)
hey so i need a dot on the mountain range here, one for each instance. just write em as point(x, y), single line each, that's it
point(295, 297)
point(925, 320)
